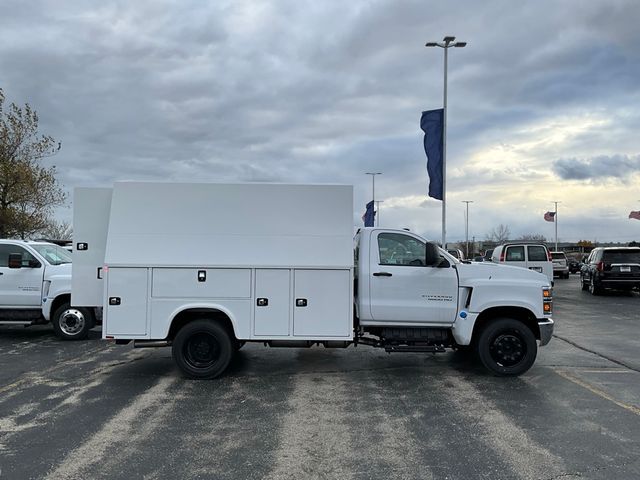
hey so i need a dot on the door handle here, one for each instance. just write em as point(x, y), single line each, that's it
point(382, 274)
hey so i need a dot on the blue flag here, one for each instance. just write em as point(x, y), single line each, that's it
point(432, 123)
point(369, 215)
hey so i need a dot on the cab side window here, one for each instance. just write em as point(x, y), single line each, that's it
point(6, 249)
point(399, 249)
point(515, 254)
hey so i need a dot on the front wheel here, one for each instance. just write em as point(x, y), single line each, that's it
point(203, 349)
point(507, 347)
point(72, 323)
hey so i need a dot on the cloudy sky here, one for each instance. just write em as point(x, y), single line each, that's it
point(543, 102)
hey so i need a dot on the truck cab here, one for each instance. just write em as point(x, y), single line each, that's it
point(412, 295)
point(35, 288)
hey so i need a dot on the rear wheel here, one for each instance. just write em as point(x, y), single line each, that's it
point(72, 323)
point(594, 289)
point(585, 285)
point(507, 347)
point(203, 349)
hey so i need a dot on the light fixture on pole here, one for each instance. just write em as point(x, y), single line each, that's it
point(378, 202)
point(446, 44)
point(466, 227)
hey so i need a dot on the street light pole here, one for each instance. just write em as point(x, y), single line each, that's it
point(373, 184)
point(466, 227)
point(446, 44)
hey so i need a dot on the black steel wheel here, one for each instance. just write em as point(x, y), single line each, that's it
point(203, 349)
point(507, 347)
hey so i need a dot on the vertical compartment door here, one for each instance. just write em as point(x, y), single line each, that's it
point(272, 305)
point(322, 303)
point(91, 207)
point(127, 296)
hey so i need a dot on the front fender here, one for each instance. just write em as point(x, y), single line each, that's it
point(507, 294)
point(59, 287)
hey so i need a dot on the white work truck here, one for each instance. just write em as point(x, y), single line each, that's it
point(205, 268)
point(35, 288)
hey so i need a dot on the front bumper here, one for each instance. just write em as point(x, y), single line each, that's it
point(545, 326)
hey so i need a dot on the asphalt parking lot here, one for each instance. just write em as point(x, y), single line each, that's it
point(95, 410)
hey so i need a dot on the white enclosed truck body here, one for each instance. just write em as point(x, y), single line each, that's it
point(207, 267)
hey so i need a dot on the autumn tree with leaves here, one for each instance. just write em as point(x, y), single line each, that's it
point(29, 192)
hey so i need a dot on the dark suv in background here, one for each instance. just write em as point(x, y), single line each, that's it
point(611, 267)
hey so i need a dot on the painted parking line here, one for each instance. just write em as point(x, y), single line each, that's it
point(597, 391)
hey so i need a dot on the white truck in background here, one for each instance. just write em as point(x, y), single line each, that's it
point(204, 268)
point(35, 288)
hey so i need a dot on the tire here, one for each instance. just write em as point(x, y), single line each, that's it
point(593, 288)
point(507, 347)
point(585, 286)
point(203, 349)
point(566, 276)
point(72, 323)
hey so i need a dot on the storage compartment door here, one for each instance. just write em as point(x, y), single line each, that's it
point(126, 310)
point(91, 207)
point(322, 303)
point(272, 305)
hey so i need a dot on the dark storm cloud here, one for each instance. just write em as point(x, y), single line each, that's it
point(598, 168)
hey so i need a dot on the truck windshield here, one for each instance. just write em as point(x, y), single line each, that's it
point(53, 254)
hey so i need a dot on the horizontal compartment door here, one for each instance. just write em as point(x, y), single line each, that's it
point(201, 283)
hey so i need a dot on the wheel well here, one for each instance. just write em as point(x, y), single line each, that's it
point(187, 316)
point(66, 298)
point(59, 300)
point(517, 313)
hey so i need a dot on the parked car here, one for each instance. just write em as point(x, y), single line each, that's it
point(611, 267)
point(560, 264)
point(574, 266)
point(534, 256)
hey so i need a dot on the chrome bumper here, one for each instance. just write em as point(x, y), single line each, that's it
point(546, 330)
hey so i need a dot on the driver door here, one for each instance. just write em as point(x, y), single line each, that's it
point(20, 287)
point(403, 289)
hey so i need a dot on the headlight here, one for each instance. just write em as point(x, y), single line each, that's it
point(45, 288)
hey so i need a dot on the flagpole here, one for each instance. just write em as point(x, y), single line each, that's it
point(555, 222)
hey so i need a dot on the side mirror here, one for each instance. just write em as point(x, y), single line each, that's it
point(15, 260)
point(432, 255)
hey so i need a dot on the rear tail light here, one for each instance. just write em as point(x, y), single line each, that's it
point(549, 257)
point(600, 266)
point(502, 256)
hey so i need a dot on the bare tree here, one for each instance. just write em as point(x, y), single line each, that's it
point(538, 237)
point(58, 231)
point(499, 234)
